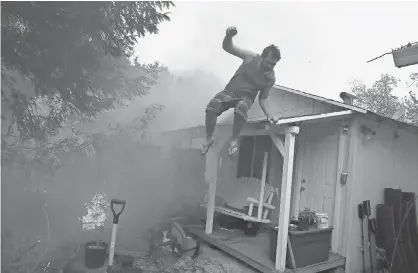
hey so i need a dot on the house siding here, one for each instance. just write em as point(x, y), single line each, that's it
point(383, 161)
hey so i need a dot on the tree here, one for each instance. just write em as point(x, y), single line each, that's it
point(63, 61)
point(76, 55)
point(411, 101)
point(379, 98)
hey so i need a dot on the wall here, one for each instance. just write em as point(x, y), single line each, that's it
point(381, 162)
point(189, 175)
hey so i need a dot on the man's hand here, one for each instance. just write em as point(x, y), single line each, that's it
point(228, 46)
point(273, 120)
point(231, 32)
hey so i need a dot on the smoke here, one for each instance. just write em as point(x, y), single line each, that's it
point(123, 167)
point(185, 97)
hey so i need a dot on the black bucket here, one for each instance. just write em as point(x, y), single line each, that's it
point(95, 254)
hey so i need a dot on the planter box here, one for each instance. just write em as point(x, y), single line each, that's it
point(405, 56)
point(309, 247)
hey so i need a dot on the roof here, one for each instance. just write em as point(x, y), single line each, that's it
point(319, 98)
point(226, 119)
point(414, 128)
point(260, 118)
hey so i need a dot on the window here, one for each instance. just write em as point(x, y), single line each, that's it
point(251, 156)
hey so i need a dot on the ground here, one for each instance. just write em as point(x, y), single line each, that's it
point(209, 261)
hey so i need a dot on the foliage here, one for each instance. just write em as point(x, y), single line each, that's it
point(45, 155)
point(75, 54)
point(411, 101)
point(138, 125)
point(97, 210)
point(379, 98)
point(65, 62)
point(307, 214)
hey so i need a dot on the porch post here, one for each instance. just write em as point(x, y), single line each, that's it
point(339, 186)
point(213, 163)
point(285, 195)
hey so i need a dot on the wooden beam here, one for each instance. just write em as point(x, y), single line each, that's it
point(257, 128)
point(341, 168)
point(282, 130)
point(315, 117)
point(350, 208)
point(297, 183)
point(225, 130)
point(213, 164)
point(278, 142)
point(262, 188)
point(285, 195)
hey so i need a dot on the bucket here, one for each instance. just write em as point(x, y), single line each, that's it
point(251, 228)
point(95, 254)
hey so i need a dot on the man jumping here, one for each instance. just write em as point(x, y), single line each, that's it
point(254, 75)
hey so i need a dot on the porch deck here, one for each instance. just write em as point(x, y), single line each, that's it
point(254, 251)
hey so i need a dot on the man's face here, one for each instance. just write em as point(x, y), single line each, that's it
point(269, 62)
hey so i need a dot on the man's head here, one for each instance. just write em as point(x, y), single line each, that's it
point(269, 57)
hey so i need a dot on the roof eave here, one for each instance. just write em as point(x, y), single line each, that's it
point(315, 97)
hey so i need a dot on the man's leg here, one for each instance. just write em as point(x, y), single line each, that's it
point(215, 107)
point(239, 122)
point(240, 117)
point(210, 123)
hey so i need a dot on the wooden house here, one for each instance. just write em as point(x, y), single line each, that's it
point(323, 154)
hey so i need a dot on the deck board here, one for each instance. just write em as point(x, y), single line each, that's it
point(254, 251)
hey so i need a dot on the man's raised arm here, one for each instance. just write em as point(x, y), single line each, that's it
point(229, 46)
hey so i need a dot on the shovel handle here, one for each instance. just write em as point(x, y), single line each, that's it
point(360, 211)
point(116, 215)
point(367, 209)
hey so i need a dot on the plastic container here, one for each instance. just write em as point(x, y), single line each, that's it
point(95, 254)
point(309, 247)
point(322, 220)
point(304, 223)
point(251, 228)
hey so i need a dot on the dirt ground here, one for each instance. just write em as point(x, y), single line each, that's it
point(225, 259)
point(209, 260)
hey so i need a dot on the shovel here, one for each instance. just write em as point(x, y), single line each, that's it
point(114, 202)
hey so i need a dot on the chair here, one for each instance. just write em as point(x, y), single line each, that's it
point(262, 198)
